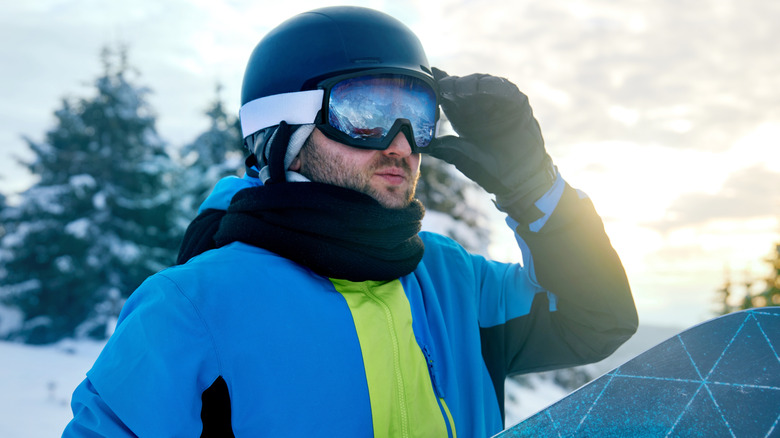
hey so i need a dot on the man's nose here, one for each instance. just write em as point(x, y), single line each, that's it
point(399, 147)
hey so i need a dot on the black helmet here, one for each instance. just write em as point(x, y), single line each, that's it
point(315, 45)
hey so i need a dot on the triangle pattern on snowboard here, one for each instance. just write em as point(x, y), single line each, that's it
point(720, 378)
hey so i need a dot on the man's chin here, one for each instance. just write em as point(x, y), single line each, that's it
point(394, 200)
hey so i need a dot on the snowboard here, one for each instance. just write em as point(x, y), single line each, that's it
point(717, 379)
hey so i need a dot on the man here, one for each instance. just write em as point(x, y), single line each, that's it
point(311, 305)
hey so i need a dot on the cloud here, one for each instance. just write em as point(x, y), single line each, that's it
point(753, 192)
point(653, 72)
point(688, 76)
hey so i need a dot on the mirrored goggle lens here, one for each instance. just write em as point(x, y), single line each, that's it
point(366, 107)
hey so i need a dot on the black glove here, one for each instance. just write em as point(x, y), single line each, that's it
point(500, 145)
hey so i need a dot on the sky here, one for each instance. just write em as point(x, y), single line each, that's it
point(665, 112)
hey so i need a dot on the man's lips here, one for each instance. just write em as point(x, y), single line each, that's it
point(392, 175)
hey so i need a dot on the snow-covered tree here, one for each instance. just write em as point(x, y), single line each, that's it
point(3, 231)
point(450, 201)
point(450, 207)
point(2, 207)
point(100, 218)
point(214, 154)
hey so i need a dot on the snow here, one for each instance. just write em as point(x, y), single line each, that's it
point(16, 238)
point(37, 384)
point(47, 198)
point(125, 250)
point(14, 290)
point(10, 318)
point(78, 228)
point(99, 201)
point(443, 223)
point(520, 402)
point(82, 181)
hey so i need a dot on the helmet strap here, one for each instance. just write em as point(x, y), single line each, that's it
point(280, 152)
point(277, 151)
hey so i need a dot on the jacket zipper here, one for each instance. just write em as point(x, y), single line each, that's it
point(396, 360)
point(448, 420)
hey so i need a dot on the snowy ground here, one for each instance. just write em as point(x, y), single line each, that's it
point(37, 382)
point(36, 385)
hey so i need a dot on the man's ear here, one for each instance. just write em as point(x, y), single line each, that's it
point(296, 164)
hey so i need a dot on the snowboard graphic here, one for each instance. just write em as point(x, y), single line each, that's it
point(718, 379)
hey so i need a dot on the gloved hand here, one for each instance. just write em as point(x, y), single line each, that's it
point(500, 145)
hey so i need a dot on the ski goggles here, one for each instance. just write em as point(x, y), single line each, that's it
point(369, 110)
point(366, 110)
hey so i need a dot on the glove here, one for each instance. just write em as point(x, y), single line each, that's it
point(499, 144)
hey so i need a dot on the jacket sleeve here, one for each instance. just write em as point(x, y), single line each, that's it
point(583, 308)
point(149, 378)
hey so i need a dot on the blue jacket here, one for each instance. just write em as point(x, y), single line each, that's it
point(303, 355)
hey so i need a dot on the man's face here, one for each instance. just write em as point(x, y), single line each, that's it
point(389, 176)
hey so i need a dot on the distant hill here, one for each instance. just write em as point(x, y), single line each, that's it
point(646, 337)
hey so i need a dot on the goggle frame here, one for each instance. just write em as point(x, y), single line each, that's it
point(400, 125)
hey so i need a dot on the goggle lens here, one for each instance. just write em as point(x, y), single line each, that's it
point(367, 107)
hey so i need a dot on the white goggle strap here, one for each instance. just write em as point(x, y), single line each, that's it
point(296, 108)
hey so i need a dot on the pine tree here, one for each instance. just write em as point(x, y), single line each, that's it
point(4, 229)
point(768, 297)
point(448, 197)
point(2, 208)
point(771, 295)
point(100, 218)
point(445, 193)
point(214, 154)
point(723, 297)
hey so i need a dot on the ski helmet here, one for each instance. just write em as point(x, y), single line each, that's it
point(311, 47)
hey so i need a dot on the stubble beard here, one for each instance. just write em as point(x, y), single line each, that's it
point(333, 169)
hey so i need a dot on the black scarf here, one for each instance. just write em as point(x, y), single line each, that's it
point(336, 232)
